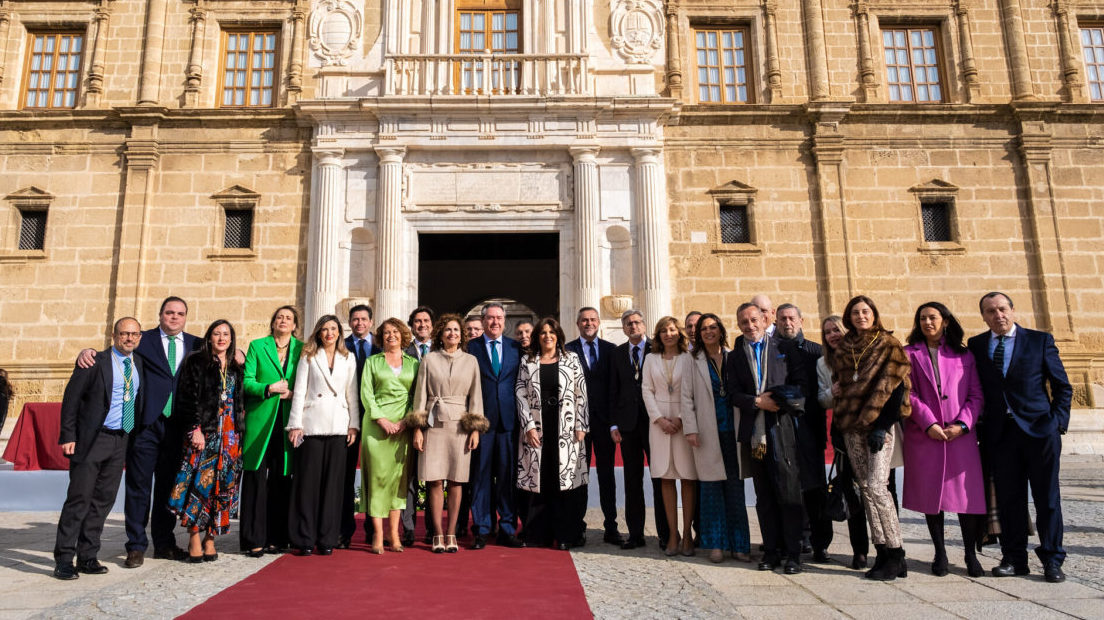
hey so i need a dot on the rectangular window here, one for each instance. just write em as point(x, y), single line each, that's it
point(1092, 41)
point(32, 229)
point(912, 65)
point(482, 32)
point(722, 66)
point(735, 226)
point(248, 69)
point(936, 216)
point(239, 229)
point(53, 69)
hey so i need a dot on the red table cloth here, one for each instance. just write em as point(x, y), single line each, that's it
point(34, 442)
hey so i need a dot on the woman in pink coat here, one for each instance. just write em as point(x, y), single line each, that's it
point(942, 462)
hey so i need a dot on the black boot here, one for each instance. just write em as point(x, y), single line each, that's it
point(935, 529)
point(879, 560)
point(972, 530)
point(894, 566)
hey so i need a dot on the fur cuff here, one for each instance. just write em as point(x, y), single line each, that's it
point(474, 422)
point(417, 419)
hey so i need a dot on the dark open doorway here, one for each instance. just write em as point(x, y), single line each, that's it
point(457, 271)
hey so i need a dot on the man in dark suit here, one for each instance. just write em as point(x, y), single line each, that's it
point(420, 323)
point(629, 428)
point(788, 323)
point(359, 342)
point(757, 362)
point(597, 355)
point(1020, 432)
point(494, 463)
point(101, 406)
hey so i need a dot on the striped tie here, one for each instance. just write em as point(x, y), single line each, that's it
point(998, 355)
point(128, 397)
point(167, 411)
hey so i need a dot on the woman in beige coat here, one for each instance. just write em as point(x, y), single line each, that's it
point(665, 374)
point(447, 418)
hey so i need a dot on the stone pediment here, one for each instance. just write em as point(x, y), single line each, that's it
point(236, 192)
point(30, 194)
point(734, 191)
point(934, 186)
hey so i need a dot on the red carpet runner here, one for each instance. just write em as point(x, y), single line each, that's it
point(492, 582)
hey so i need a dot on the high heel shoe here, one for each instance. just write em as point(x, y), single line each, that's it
point(688, 548)
point(450, 544)
point(376, 550)
point(210, 557)
point(396, 546)
point(438, 544)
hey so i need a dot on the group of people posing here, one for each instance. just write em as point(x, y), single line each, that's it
point(506, 430)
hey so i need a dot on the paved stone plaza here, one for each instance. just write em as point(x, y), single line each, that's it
point(621, 584)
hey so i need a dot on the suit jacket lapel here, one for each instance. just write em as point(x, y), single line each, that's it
point(745, 376)
point(1018, 346)
point(107, 374)
point(323, 368)
point(158, 352)
point(269, 345)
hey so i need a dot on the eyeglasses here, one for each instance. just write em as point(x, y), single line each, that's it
point(128, 334)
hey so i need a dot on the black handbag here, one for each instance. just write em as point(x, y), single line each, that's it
point(836, 506)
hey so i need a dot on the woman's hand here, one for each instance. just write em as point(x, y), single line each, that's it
point(532, 439)
point(295, 436)
point(692, 439)
point(953, 431)
point(419, 440)
point(388, 426)
point(280, 387)
point(666, 426)
point(351, 437)
point(836, 389)
point(197, 439)
point(936, 433)
point(473, 440)
point(580, 436)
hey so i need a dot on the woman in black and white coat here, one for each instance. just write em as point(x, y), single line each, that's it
point(554, 421)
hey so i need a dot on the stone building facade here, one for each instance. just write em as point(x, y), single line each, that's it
point(616, 153)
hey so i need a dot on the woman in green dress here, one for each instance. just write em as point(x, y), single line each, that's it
point(266, 482)
point(385, 391)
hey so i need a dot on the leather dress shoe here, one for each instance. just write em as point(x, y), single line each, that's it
point(408, 538)
point(134, 559)
point(1006, 569)
point(306, 551)
point(563, 546)
point(344, 543)
point(768, 563)
point(632, 543)
point(172, 553)
point(65, 572)
point(792, 567)
point(325, 551)
point(613, 538)
point(821, 556)
point(580, 541)
point(255, 553)
point(1053, 573)
point(509, 540)
point(479, 542)
point(91, 567)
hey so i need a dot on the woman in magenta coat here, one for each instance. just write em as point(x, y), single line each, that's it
point(942, 461)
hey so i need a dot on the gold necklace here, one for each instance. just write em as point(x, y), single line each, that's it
point(855, 362)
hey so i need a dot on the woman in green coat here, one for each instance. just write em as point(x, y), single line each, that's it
point(385, 391)
point(266, 454)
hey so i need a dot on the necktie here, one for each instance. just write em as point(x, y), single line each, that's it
point(128, 397)
point(361, 354)
point(496, 364)
point(593, 354)
point(636, 362)
point(756, 350)
point(167, 411)
point(424, 348)
point(998, 355)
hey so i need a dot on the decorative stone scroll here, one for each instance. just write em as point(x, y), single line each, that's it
point(636, 28)
point(335, 27)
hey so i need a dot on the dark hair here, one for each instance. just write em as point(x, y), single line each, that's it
point(693, 313)
point(115, 327)
point(294, 316)
point(314, 342)
point(992, 295)
point(699, 344)
point(231, 357)
point(6, 389)
point(359, 308)
point(420, 309)
point(405, 337)
point(745, 306)
point(952, 329)
point(534, 349)
point(856, 300)
point(657, 342)
point(438, 337)
point(523, 322)
point(170, 299)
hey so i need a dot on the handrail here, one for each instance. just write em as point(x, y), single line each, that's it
point(486, 74)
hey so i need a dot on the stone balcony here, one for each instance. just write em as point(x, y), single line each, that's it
point(543, 75)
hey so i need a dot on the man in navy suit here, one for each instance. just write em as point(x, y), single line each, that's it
point(1020, 432)
point(101, 406)
point(596, 355)
point(359, 342)
point(494, 463)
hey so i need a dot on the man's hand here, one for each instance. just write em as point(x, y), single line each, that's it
point(352, 435)
point(615, 435)
point(86, 358)
point(765, 402)
point(69, 448)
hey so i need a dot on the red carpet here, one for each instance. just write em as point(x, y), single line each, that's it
point(493, 582)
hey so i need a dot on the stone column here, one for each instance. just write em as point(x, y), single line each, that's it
point(149, 88)
point(654, 291)
point(1071, 66)
point(323, 286)
point(194, 73)
point(1012, 25)
point(969, 66)
point(866, 58)
point(774, 73)
point(295, 64)
point(816, 51)
point(390, 246)
point(5, 28)
point(96, 70)
point(141, 157)
point(587, 292)
point(830, 206)
point(674, 52)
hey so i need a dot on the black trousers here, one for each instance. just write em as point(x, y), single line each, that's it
point(93, 485)
point(601, 446)
point(820, 526)
point(316, 492)
point(779, 523)
point(348, 497)
point(152, 461)
point(265, 495)
point(634, 448)
point(410, 513)
point(552, 516)
point(1017, 459)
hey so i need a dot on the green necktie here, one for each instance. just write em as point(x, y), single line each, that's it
point(496, 364)
point(128, 397)
point(167, 411)
point(424, 348)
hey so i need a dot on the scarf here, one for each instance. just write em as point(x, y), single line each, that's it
point(759, 428)
point(882, 366)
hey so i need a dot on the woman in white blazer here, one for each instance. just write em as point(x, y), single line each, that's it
point(323, 422)
point(724, 522)
point(666, 373)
